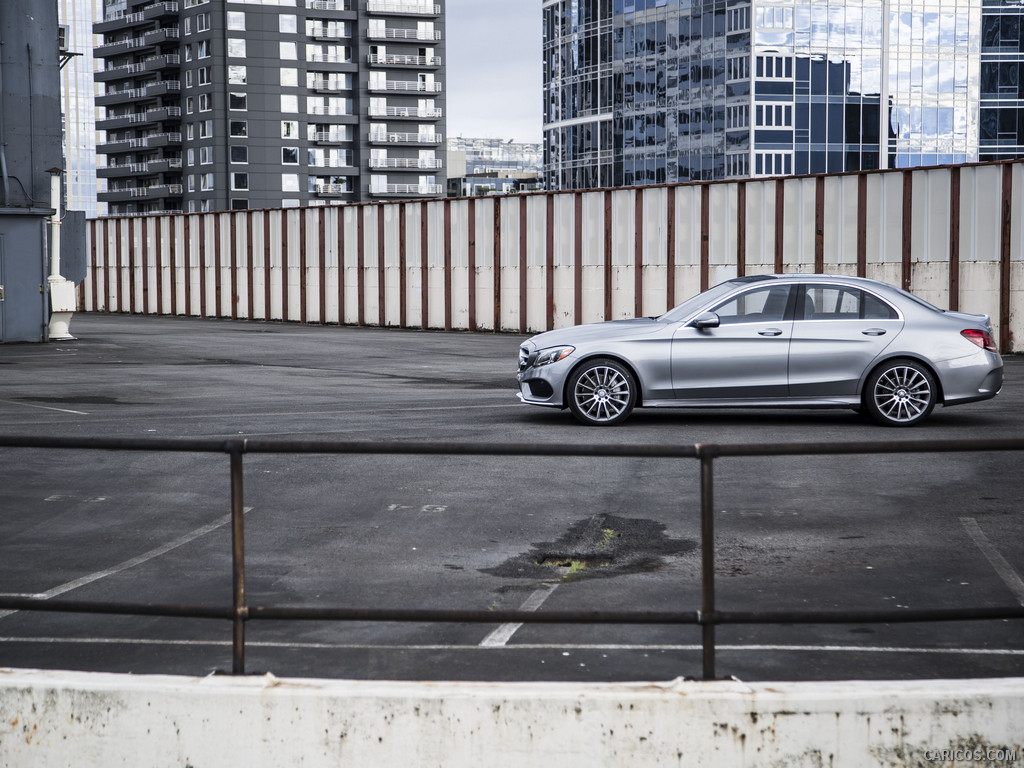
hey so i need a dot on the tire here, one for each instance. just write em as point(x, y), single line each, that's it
point(901, 393)
point(601, 393)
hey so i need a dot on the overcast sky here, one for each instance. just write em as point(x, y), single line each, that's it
point(494, 69)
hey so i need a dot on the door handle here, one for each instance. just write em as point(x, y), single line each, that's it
point(770, 332)
point(874, 331)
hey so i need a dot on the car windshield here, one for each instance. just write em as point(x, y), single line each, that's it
point(692, 304)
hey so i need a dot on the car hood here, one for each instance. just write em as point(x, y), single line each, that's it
point(580, 334)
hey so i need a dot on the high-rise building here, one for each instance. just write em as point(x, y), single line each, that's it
point(654, 91)
point(220, 104)
point(78, 101)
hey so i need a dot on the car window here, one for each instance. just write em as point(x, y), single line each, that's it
point(837, 302)
point(765, 304)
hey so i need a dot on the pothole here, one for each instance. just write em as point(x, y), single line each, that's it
point(597, 547)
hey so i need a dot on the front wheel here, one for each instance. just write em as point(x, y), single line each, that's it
point(601, 393)
point(900, 394)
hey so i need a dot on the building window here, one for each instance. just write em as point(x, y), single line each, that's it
point(288, 51)
point(290, 77)
point(737, 116)
point(236, 74)
point(738, 68)
point(738, 19)
point(202, 49)
point(190, 131)
point(188, 78)
point(773, 163)
point(239, 205)
point(203, 22)
point(236, 47)
point(237, 101)
point(240, 181)
point(289, 182)
point(190, 157)
point(206, 182)
point(289, 129)
point(204, 75)
point(775, 67)
point(205, 155)
point(188, 25)
point(290, 155)
point(191, 182)
point(287, 24)
point(239, 154)
point(205, 102)
point(238, 128)
point(190, 106)
point(289, 102)
point(236, 21)
point(777, 115)
point(188, 52)
point(774, 17)
point(205, 129)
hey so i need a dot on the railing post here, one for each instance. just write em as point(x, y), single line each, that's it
point(707, 559)
point(235, 449)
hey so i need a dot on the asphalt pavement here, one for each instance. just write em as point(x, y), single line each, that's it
point(892, 531)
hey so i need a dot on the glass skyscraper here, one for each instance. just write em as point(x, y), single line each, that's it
point(655, 91)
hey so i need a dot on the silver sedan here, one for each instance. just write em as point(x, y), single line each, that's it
point(770, 340)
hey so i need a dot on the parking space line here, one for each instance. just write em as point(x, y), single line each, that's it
point(500, 636)
point(144, 557)
point(1006, 572)
point(45, 407)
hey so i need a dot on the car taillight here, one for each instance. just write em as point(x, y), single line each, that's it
point(982, 338)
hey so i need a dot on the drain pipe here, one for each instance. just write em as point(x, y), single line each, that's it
point(62, 291)
point(3, 138)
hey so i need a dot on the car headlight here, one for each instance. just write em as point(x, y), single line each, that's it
point(552, 355)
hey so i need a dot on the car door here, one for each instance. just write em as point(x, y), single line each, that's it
point(745, 356)
point(838, 331)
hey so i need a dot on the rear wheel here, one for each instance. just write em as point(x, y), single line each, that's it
point(601, 393)
point(901, 393)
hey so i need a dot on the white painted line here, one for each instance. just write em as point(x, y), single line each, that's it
point(144, 557)
point(500, 636)
point(520, 647)
point(1009, 576)
point(44, 407)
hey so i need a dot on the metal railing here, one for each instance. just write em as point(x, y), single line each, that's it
point(708, 617)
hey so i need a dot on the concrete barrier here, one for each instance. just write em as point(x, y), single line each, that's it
point(50, 718)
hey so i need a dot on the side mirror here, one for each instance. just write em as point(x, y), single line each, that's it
point(706, 320)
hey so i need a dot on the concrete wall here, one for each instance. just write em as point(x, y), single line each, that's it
point(64, 719)
point(533, 262)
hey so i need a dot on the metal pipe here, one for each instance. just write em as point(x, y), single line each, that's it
point(707, 562)
point(239, 611)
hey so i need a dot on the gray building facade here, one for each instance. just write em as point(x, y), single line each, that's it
point(217, 105)
point(656, 91)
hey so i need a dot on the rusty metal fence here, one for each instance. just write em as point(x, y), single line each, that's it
point(707, 616)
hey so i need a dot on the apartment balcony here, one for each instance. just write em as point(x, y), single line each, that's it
point(390, 33)
point(161, 61)
point(122, 170)
point(150, 39)
point(405, 163)
point(159, 11)
point(122, 96)
point(327, 58)
point(407, 113)
point(327, 137)
point(392, 190)
point(157, 140)
point(329, 5)
point(327, 32)
point(406, 86)
point(115, 122)
point(388, 137)
point(402, 60)
point(163, 165)
point(162, 87)
point(403, 7)
point(324, 85)
point(332, 190)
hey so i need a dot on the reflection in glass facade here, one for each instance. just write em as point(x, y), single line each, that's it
point(655, 91)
